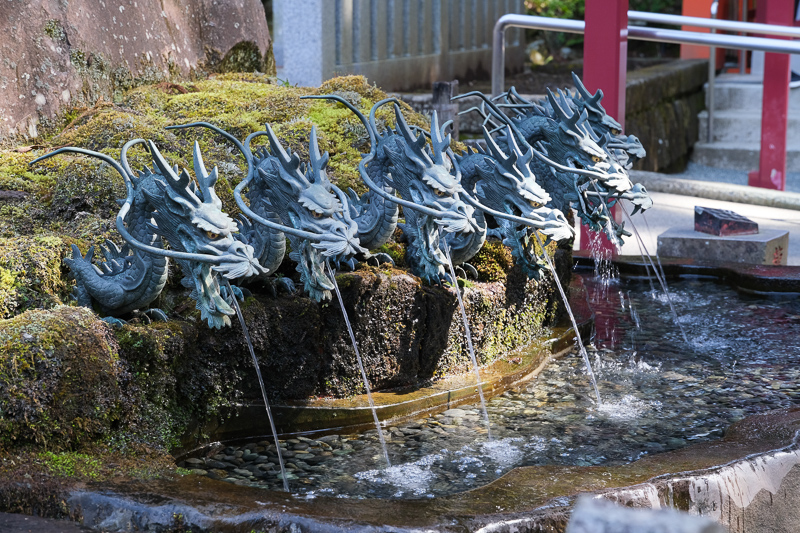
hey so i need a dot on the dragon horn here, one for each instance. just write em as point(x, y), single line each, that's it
point(439, 140)
point(582, 90)
point(559, 111)
point(206, 180)
point(592, 100)
point(163, 167)
point(289, 163)
point(402, 127)
point(317, 162)
point(494, 150)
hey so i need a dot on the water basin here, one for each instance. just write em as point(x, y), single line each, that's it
point(658, 394)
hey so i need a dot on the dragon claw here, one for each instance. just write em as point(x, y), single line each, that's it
point(115, 323)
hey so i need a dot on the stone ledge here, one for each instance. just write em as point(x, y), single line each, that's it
point(764, 248)
point(742, 194)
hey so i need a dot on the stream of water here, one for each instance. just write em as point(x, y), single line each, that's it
point(378, 427)
point(246, 333)
point(468, 335)
point(661, 280)
point(578, 339)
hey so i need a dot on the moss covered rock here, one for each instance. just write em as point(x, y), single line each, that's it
point(31, 273)
point(59, 378)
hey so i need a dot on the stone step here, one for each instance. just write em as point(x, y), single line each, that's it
point(744, 126)
point(746, 96)
point(737, 156)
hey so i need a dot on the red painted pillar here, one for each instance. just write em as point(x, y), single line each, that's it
point(771, 173)
point(605, 65)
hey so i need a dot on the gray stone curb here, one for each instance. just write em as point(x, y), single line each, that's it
point(742, 194)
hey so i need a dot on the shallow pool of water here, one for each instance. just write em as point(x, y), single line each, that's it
point(658, 394)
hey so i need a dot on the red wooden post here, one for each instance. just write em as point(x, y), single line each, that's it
point(771, 173)
point(605, 64)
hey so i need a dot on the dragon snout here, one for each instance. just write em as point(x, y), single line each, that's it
point(239, 261)
point(556, 226)
point(459, 218)
point(639, 198)
point(340, 240)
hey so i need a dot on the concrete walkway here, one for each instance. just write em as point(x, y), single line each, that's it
point(677, 211)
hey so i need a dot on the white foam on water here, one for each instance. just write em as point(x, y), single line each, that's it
point(503, 452)
point(628, 408)
point(740, 482)
point(415, 477)
point(536, 444)
point(466, 462)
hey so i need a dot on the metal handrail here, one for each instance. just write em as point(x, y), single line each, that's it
point(712, 74)
point(737, 42)
point(714, 23)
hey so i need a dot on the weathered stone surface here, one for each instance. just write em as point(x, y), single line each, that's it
point(57, 54)
point(722, 222)
point(766, 248)
point(408, 333)
point(662, 103)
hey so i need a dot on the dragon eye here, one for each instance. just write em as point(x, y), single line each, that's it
point(211, 235)
point(316, 214)
point(440, 193)
point(596, 158)
point(535, 205)
point(615, 131)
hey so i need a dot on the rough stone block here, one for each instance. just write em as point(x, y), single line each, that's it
point(769, 247)
point(722, 222)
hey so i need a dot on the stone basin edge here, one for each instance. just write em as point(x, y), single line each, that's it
point(749, 480)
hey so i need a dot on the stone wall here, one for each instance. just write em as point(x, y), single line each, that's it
point(662, 103)
point(56, 55)
point(396, 45)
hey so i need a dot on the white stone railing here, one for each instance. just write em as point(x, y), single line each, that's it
point(398, 44)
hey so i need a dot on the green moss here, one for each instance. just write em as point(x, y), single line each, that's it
point(60, 372)
point(243, 57)
point(396, 251)
point(17, 175)
point(36, 264)
point(513, 328)
point(8, 291)
point(71, 464)
point(53, 29)
point(493, 261)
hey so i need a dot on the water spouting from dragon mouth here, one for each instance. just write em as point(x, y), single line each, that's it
point(260, 382)
point(661, 280)
point(360, 364)
point(468, 335)
point(578, 339)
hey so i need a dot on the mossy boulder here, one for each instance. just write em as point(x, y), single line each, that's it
point(59, 378)
point(31, 273)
